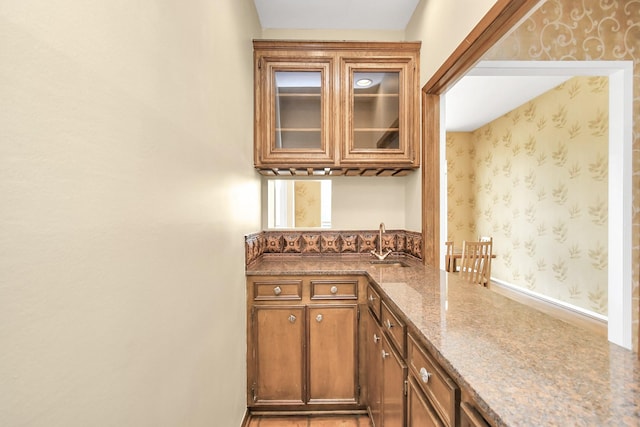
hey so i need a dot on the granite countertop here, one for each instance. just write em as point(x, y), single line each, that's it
point(523, 367)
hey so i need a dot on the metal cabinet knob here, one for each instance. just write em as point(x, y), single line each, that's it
point(384, 354)
point(319, 318)
point(388, 324)
point(334, 290)
point(372, 298)
point(376, 338)
point(292, 318)
point(277, 290)
point(424, 375)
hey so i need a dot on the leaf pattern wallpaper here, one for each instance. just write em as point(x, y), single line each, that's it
point(535, 180)
point(307, 203)
point(575, 30)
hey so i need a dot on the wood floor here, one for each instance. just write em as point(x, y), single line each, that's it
point(309, 421)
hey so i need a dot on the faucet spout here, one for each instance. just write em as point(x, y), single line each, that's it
point(379, 254)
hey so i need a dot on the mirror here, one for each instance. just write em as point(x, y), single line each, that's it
point(299, 203)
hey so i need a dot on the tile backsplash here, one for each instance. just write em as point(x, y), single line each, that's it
point(330, 242)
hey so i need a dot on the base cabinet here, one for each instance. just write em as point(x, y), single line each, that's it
point(406, 385)
point(419, 410)
point(373, 347)
point(279, 355)
point(470, 417)
point(394, 374)
point(386, 376)
point(303, 343)
point(333, 332)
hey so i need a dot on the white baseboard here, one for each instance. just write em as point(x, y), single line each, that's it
point(572, 314)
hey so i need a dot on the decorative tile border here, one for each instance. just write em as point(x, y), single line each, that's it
point(329, 243)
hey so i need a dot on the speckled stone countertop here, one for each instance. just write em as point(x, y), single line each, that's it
point(523, 367)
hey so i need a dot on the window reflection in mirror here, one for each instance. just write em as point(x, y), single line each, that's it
point(299, 203)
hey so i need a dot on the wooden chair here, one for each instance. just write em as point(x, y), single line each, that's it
point(475, 263)
point(449, 262)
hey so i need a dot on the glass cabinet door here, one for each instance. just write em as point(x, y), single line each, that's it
point(379, 124)
point(376, 110)
point(296, 110)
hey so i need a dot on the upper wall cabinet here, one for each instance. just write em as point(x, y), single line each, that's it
point(336, 108)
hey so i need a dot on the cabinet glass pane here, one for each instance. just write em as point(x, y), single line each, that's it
point(298, 110)
point(376, 110)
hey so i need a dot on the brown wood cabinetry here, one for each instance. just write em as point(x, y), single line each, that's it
point(407, 387)
point(442, 393)
point(420, 413)
point(303, 342)
point(386, 370)
point(336, 107)
point(373, 348)
point(470, 417)
point(278, 345)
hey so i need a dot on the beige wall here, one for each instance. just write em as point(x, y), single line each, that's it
point(536, 181)
point(124, 169)
point(441, 25)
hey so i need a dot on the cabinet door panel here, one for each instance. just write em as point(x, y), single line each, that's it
point(279, 354)
point(333, 353)
point(380, 122)
point(374, 369)
point(419, 411)
point(293, 111)
point(394, 375)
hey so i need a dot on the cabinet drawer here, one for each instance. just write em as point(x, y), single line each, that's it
point(277, 290)
point(439, 388)
point(373, 301)
point(395, 328)
point(334, 289)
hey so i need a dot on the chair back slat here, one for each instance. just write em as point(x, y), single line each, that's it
point(475, 263)
point(448, 259)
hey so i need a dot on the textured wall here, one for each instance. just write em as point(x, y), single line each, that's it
point(588, 30)
point(536, 180)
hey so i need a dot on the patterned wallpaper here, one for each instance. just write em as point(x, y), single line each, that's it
point(307, 203)
point(536, 181)
point(588, 30)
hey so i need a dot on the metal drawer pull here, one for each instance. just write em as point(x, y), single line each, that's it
point(424, 375)
point(334, 290)
point(319, 318)
point(384, 354)
point(292, 318)
point(372, 298)
point(376, 338)
point(388, 324)
point(277, 290)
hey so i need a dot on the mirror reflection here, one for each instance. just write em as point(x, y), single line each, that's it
point(299, 203)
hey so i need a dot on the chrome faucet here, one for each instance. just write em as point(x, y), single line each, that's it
point(379, 254)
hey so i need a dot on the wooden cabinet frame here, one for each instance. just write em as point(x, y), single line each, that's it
point(304, 348)
point(335, 155)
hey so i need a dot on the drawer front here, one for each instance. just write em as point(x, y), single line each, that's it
point(439, 388)
point(395, 328)
point(277, 290)
point(373, 301)
point(334, 289)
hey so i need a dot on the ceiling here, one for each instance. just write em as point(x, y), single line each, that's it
point(335, 14)
point(475, 100)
